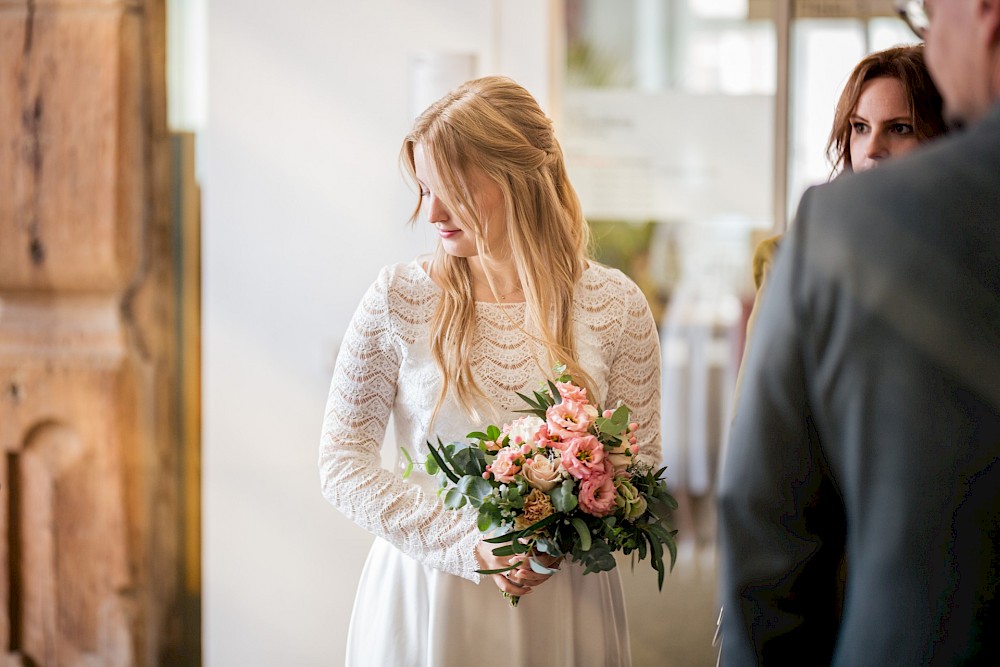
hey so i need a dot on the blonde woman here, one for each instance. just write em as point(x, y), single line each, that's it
point(442, 344)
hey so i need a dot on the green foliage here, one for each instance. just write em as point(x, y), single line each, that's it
point(563, 498)
point(568, 531)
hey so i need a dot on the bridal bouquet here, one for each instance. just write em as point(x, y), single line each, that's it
point(563, 481)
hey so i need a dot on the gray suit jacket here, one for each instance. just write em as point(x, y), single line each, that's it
point(868, 426)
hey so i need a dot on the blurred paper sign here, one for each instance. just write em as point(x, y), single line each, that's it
point(669, 155)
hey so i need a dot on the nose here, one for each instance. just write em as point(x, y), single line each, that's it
point(436, 210)
point(878, 147)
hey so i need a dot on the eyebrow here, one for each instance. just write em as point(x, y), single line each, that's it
point(897, 119)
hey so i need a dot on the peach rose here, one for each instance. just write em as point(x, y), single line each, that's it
point(541, 473)
point(507, 464)
point(620, 455)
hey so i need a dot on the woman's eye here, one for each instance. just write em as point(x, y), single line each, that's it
point(902, 128)
point(860, 128)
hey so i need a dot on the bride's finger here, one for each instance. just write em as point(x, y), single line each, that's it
point(508, 586)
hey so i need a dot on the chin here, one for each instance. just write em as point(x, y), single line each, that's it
point(458, 250)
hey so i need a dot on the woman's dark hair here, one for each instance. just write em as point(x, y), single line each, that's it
point(906, 65)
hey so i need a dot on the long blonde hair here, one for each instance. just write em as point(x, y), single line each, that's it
point(494, 126)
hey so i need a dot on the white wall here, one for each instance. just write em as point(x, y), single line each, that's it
point(303, 202)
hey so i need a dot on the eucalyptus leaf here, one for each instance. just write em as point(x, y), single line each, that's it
point(453, 499)
point(539, 568)
point(563, 499)
point(468, 460)
point(547, 546)
point(598, 558)
point(488, 519)
point(513, 497)
point(583, 532)
point(475, 487)
point(431, 466)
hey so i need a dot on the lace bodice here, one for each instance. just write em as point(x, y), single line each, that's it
point(385, 367)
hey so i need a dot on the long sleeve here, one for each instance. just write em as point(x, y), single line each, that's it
point(634, 376)
point(361, 397)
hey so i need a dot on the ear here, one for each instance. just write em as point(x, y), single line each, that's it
point(988, 18)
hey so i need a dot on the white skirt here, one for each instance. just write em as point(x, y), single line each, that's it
point(409, 615)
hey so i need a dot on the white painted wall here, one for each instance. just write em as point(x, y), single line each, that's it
point(303, 202)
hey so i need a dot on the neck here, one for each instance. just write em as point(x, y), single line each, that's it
point(494, 279)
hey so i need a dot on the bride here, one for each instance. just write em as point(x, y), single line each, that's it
point(442, 344)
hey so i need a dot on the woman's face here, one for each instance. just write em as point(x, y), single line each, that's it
point(457, 236)
point(881, 125)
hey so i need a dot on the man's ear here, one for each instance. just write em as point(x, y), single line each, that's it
point(988, 17)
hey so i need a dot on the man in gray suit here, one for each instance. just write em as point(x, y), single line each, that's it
point(867, 434)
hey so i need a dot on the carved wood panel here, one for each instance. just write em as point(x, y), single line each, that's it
point(90, 515)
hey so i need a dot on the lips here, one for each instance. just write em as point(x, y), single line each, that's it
point(448, 233)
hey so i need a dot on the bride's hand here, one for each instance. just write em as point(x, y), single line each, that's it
point(521, 579)
point(525, 576)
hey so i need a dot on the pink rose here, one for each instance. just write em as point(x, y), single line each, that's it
point(541, 473)
point(583, 457)
point(507, 464)
point(570, 392)
point(570, 418)
point(597, 494)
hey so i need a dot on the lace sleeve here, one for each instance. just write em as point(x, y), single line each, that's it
point(353, 480)
point(634, 377)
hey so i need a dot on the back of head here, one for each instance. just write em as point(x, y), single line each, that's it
point(906, 65)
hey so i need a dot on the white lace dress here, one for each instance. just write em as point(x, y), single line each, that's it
point(420, 601)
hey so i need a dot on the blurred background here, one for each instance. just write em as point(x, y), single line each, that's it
point(258, 145)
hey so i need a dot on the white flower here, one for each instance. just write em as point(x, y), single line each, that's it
point(524, 428)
